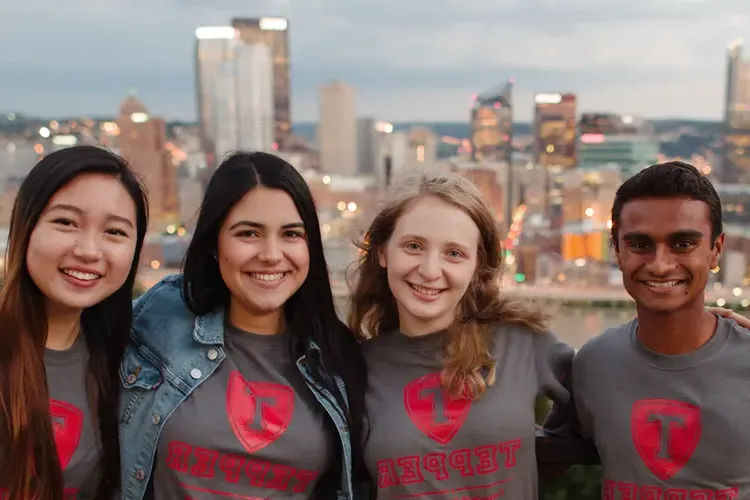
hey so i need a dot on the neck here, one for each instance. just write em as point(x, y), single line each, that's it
point(63, 328)
point(681, 332)
point(264, 324)
point(415, 327)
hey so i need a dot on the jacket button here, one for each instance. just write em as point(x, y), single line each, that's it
point(212, 354)
point(140, 474)
point(195, 373)
point(130, 379)
point(155, 419)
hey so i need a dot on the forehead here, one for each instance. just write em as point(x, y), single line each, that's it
point(435, 220)
point(96, 193)
point(662, 216)
point(265, 205)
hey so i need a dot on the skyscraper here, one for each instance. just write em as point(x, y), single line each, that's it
point(555, 130)
point(214, 46)
point(492, 125)
point(337, 129)
point(736, 154)
point(274, 33)
point(255, 97)
point(143, 144)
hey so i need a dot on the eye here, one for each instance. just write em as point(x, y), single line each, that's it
point(62, 221)
point(413, 246)
point(116, 232)
point(294, 234)
point(246, 233)
point(684, 244)
point(455, 254)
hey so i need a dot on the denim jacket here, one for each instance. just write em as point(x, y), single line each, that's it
point(172, 353)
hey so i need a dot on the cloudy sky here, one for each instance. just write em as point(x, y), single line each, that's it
point(408, 59)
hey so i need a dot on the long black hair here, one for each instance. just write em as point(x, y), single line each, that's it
point(310, 312)
point(29, 463)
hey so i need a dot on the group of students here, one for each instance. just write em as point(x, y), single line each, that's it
point(236, 378)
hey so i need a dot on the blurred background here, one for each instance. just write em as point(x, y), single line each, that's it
point(546, 105)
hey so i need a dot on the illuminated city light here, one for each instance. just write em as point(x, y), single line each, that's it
point(273, 24)
point(341, 205)
point(352, 207)
point(44, 132)
point(548, 98)
point(737, 291)
point(589, 212)
point(326, 179)
point(155, 264)
point(139, 117)
point(215, 33)
point(721, 302)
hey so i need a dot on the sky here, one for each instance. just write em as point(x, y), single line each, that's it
point(409, 60)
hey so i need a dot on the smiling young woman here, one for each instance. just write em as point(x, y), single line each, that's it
point(76, 231)
point(243, 381)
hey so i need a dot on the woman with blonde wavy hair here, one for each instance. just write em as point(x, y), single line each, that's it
point(454, 367)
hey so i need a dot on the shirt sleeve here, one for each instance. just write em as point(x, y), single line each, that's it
point(554, 372)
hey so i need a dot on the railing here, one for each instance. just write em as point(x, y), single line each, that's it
point(552, 450)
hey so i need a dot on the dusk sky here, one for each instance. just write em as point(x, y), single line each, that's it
point(409, 60)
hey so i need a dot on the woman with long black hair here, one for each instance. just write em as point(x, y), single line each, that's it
point(76, 231)
point(243, 382)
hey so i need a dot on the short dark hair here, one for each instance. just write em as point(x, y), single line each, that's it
point(310, 312)
point(672, 179)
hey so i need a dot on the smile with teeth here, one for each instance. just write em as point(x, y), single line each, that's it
point(267, 277)
point(664, 284)
point(80, 275)
point(425, 290)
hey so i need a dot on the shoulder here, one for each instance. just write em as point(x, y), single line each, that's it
point(376, 344)
point(521, 334)
point(614, 339)
point(161, 310)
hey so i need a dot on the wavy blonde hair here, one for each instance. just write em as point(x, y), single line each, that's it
point(468, 366)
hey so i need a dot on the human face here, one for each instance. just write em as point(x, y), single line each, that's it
point(430, 260)
point(262, 253)
point(665, 252)
point(82, 248)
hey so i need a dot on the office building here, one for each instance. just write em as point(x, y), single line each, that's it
point(337, 129)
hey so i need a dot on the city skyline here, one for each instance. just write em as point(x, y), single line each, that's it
point(416, 60)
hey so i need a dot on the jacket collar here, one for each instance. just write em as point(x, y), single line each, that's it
point(209, 329)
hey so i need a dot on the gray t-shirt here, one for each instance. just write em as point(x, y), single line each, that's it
point(252, 430)
point(75, 435)
point(422, 444)
point(668, 427)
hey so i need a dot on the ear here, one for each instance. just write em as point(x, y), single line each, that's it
point(716, 251)
point(381, 258)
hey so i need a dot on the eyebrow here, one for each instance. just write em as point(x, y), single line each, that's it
point(449, 243)
point(258, 225)
point(680, 233)
point(79, 211)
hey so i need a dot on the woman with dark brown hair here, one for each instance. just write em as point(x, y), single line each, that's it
point(76, 232)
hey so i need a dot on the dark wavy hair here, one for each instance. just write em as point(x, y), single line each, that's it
point(310, 312)
point(29, 465)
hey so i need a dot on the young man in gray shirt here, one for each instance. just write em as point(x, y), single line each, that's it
point(666, 397)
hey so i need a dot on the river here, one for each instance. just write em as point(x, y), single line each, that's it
point(574, 325)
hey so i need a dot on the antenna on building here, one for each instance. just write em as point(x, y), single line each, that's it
point(132, 92)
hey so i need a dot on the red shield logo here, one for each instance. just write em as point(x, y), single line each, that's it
point(665, 433)
point(259, 412)
point(67, 425)
point(432, 410)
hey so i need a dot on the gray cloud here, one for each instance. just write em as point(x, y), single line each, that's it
point(409, 59)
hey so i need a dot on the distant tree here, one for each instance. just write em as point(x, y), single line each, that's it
point(580, 482)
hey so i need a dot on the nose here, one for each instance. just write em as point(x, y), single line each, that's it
point(271, 251)
point(429, 266)
point(87, 247)
point(663, 262)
